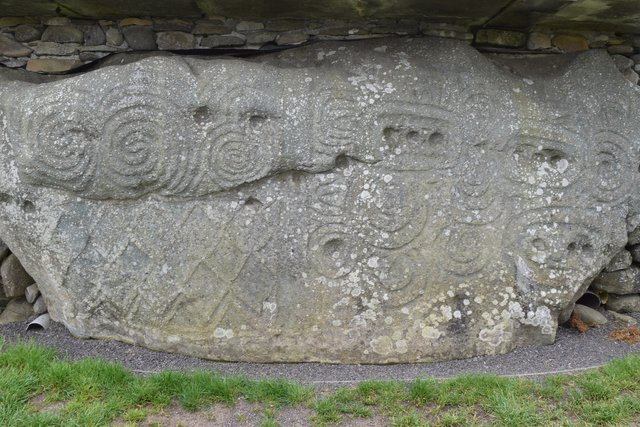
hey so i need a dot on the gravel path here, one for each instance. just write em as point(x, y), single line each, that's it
point(571, 352)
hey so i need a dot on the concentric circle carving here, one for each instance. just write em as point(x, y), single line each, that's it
point(236, 157)
point(402, 277)
point(135, 141)
point(60, 148)
point(610, 166)
point(331, 248)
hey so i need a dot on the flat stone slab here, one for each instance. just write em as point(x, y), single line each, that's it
point(374, 202)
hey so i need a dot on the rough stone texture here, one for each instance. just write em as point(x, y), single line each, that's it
point(114, 37)
point(635, 253)
point(622, 318)
point(62, 34)
point(408, 27)
point(500, 38)
point(12, 21)
point(135, 21)
point(634, 237)
point(249, 26)
point(51, 65)
point(622, 62)
point(260, 37)
point(172, 25)
point(39, 306)
point(31, 293)
point(17, 310)
point(57, 21)
point(93, 35)
point(27, 33)
point(4, 252)
point(570, 43)
point(446, 31)
point(619, 282)
point(285, 25)
point(292, 37)
point(140, 38)
point(374, 202)
point(619, 262)
point(589, 316)
point(13, 62)
point(14, 277)
point(211, 27)
point(12, 48)
point(624, 303)
point(631, 75)
point(219, 41)
point(174, 40)
point(538, 41)
point(621, 49)
point(55, 49)
point(92, 55)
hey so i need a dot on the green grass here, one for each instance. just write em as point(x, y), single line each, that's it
point(37, 388)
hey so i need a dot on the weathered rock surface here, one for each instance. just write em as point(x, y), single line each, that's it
point(175, 40)
point(619, 282)
point(635, 253)
point(619, 262)
point(4, 251)
point(12, 48)
point(27, 33)
point(589, 315)
point(14, 277)
point(52, 65)
point(624, 303)
point(39, 306)
point(17, 310)
point(31, 293)
point(381, 201)
point(62, 34)
point(220, 41)
point(140, 38)
point(622, 318)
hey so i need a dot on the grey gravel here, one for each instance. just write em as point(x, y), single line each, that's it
point(571, 352)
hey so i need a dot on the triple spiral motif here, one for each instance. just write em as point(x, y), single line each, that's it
point(141, 142)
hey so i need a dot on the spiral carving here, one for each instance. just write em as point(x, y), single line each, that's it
point(403, 277)
point(61, 145)
point(466, 248)
point(134, 141)
point(235, 157)
point(611, 165)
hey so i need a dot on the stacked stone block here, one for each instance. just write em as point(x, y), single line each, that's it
point(20, 297)
point(60, 44)
point(619, 283)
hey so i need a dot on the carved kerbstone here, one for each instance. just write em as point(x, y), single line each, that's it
point(384, 201)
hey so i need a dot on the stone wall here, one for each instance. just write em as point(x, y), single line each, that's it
point(60, 44)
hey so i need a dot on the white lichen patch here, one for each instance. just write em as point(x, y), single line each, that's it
point(499, 334)
point(402, 346)
point(430, 333)
point(223, 333)
point(541, 317)
point(382, 345)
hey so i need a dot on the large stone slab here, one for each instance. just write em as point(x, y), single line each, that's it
point(381, 201)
